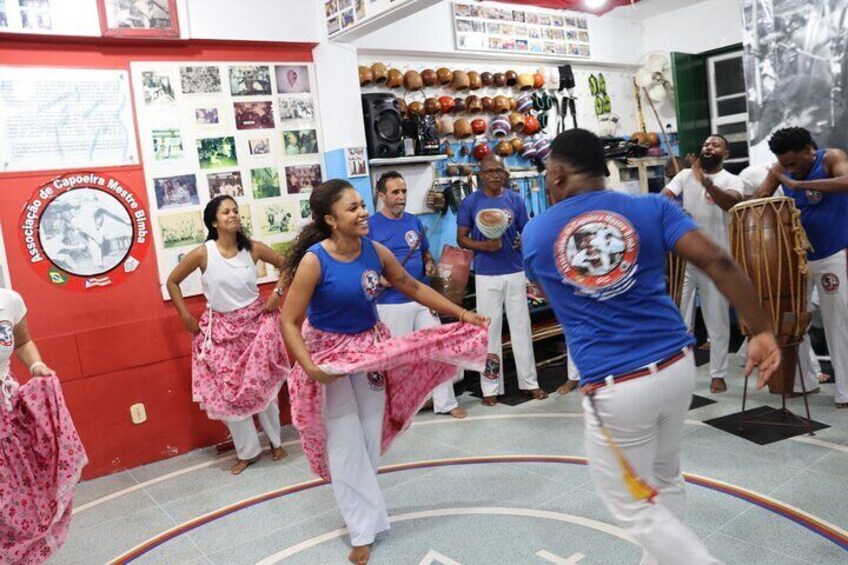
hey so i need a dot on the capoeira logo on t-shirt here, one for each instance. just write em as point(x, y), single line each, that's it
point(597, 253)
point(830, 282)
point(813, 196)
point(377, 381)
point(6, 333)
point(492, 369)
point(370, 283)
point(493, 222)
point(411, 238)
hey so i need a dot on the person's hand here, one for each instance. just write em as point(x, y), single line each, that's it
point(492, 245)
point(42, 370)
point(384, 282)
point(430, 269)
point(789, 183)
point(191, 325)
point(763, 353)
point(273, 302)
point(697, 172)
point(315, 372)
point(474, 318)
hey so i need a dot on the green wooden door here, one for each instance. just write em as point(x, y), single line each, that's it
point(691, 100)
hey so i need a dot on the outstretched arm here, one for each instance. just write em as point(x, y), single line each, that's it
point(836, 163)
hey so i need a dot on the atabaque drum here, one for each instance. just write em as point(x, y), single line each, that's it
point(768, 242)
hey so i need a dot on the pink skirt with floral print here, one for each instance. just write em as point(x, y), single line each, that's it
point(238, 369)
point(41, 459)
point(413, 365)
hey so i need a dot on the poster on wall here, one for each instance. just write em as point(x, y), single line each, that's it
point(356, 159)
point(342, 14)
point(539, 31)
point(796, 71)
point(138, 18)
point(246, 130)
point(29, 16)
point(59, 118)
point(84, 231)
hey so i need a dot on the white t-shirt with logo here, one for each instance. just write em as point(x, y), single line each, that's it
point(696, 200)
point(12, 311)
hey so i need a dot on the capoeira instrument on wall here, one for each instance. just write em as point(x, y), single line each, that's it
point(768, 242)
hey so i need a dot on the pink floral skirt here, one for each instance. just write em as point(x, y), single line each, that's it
point(41, 459)
point(238, 368)
point(413, 366)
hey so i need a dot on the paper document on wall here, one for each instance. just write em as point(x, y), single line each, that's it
point(53, 118)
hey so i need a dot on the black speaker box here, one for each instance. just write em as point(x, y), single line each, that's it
point(383, 125)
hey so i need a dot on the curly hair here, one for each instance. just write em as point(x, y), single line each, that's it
point(789, 139)
point(582, 150)
point(210, 214)
point(321, 203)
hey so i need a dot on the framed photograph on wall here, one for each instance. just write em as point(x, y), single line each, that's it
point(355, 159)
point(138, 18)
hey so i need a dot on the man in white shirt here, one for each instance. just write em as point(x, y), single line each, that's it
point(707, 195)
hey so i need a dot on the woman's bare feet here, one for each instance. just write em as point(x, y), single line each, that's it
point(459, 413)
point(243, 464)
point(278, 453)
point(360, 554)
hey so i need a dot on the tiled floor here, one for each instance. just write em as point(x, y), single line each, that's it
point(487, 512)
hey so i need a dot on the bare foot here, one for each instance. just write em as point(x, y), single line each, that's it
point(243, 464)
point(705, 346)
point(718, 385)
point(490, 400)
point(536, 394)
point(278, 453)
point(360, 554)
point(568, 387)
point(823, 378)
point(459, 413)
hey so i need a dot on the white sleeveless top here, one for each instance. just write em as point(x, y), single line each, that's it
point(229, 284)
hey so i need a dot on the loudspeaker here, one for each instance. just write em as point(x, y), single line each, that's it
point(383, 131)
point(423, 130)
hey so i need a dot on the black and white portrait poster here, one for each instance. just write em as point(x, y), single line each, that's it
point(796, 71)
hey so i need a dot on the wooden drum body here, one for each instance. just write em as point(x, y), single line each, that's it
point(768, 242)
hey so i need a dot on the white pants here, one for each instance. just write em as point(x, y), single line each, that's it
point(830, 278)
point(645, 417)
point(494, 293)
point(354, 420)
point(403, 319)
point(716, 311)
point(245, 437)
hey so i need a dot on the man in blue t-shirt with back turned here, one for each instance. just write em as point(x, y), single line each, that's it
point(403, 234)
point(599, 256)
point(489, 223)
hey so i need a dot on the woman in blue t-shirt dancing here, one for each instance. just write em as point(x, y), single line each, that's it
point(330, 320)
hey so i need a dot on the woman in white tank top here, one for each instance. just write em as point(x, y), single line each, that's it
point(238, 359)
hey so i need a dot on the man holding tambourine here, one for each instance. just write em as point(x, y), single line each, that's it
point(489, 223)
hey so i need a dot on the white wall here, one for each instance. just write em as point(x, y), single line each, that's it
point(694, 29)
point(295, 21)
point(338, 95)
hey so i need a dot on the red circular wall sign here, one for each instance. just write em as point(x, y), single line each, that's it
point(84, 231)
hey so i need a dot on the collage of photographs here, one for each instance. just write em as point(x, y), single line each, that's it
point(341, 14)
point(246, 131)
point(32, 15)
point(547, 32)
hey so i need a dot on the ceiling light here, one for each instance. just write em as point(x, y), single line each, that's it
point(594, 4)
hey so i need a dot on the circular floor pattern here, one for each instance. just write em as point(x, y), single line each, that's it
point(804, 519)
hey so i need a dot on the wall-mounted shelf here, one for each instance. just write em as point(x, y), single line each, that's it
point(416, 160)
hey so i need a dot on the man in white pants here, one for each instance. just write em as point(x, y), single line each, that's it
point(489, 223)
point(708, 192)
point(817, 179)
point(403, 234)
point(629, 340)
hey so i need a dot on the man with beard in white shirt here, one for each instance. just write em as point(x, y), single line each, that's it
point(707, 191)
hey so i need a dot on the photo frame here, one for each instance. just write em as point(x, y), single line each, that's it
point(356, 160)
point(139, 18)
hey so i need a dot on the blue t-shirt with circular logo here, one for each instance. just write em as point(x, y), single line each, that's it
point(503, 217)
point(600, 259)
point(344, 300)
point(405, 238)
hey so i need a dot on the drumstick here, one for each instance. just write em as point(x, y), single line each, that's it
point(637, 486)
